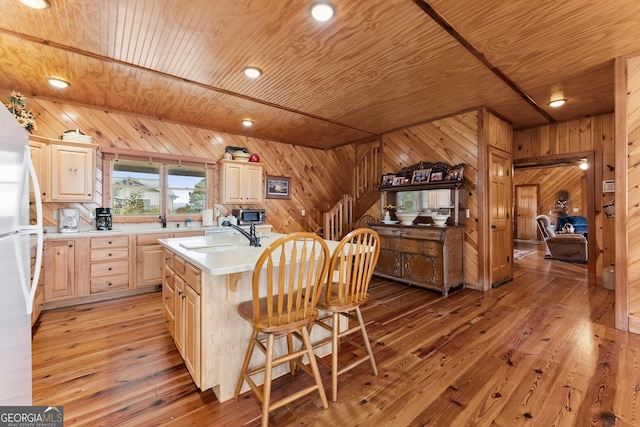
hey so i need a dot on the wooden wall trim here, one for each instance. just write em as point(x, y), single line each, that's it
point(621, 195)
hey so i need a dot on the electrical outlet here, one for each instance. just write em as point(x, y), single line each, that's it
point(467, 213)
point(302, 212)
point(55, 214)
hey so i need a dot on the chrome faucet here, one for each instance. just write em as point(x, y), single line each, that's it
point(251, 235)
point(163, 218)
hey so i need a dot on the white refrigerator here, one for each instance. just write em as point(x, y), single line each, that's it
point(16, 236)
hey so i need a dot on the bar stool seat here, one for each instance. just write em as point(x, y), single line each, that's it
point(284, 306)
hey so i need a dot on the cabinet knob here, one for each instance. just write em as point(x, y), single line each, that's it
point(109, 254)
point(493, 226)
point(109, 268)
point(108, 283)
point(71, 246)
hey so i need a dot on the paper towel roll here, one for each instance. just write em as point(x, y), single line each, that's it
point(207, 217)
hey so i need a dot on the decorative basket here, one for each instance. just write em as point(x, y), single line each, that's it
point(76, 136)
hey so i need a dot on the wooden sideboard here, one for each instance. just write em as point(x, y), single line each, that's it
point(426, 256)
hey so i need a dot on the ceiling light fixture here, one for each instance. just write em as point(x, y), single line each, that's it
point(247, 123)
point(252, 72)
point(584, 165)
point(36, 4)
point(58, 83)
point(322, 11)
point(557, 102)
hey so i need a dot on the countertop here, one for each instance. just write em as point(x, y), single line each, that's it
point(146, 228)
point(220, 255)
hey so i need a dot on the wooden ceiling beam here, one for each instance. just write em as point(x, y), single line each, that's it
point(439, 19)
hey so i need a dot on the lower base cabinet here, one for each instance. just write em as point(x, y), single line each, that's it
point(428, 257)
point(181, 290)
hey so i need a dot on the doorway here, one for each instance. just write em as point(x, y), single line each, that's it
point(550, 174)
point(526, 211)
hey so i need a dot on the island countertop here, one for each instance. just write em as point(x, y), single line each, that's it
point(224, 254)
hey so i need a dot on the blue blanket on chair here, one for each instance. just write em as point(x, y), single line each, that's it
point(578, 222)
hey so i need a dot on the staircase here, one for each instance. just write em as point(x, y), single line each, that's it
point(345, 213)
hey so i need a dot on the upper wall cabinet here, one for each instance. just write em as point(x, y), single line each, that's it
point(65, 169)
point(240, 182)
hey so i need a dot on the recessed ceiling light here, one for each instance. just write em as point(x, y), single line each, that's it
point(37, 4)
point(58, 83)
point(557, 102)
point(247, 123)
point(322, 11)
point(253, 72)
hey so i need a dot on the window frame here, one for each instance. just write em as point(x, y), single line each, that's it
point(165, 160)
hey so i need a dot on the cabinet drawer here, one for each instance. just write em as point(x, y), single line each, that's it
point(109, 254)
point(388, 231)
point(168, 258)
point(109, 242)
point(179, 266)
point(109, 268)
point(426, 247)
point(192, 277)
point(424, 233)
point(152, 239)
point(109, 283)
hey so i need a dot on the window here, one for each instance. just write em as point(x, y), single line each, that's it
point(145, 187)
point(186, 189)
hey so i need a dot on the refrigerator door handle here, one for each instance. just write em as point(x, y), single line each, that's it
point(30, 291)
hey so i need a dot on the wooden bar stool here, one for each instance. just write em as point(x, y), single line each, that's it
point(287, 281)
point(349, 274)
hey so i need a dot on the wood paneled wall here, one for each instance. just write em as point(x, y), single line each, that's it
point(592, 134)
point(451, 140)
point(551, 180)
point(318, 178)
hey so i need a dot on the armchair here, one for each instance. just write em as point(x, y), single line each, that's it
point(563, 247)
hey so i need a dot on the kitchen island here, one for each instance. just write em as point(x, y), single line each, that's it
point(205, 279)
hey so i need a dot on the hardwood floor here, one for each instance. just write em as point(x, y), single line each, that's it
point(539, 350)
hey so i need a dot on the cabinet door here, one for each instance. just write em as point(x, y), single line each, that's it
point(71, 173)
point(389, 263)
point(253, 184)
point(150, 263)
point(191, 341)
point(59, 270)
point(423, 269)
point(179, 327)
point(168, 299)
point(39, 159)
point(231, 182)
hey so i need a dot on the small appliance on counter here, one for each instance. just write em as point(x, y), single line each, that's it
point(249, 216)
point(103, 218)
point(69, 220)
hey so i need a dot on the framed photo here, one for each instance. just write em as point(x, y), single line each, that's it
point(277, 187)
point(455, 173)
point(437, 176)
point(387, 180)
point(421, 175)
point(400, 180)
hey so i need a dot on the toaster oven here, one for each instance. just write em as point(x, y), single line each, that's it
point(249, 216)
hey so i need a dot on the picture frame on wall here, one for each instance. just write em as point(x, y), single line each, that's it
point(421, 176)
point(436, 176)
point(277, 187)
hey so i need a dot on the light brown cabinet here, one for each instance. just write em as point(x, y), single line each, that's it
point(65, 170)
point(182, 307)
point(109, 269)
point(149, 257)
point(59, 269)
point(240, 182)
point(426, 256)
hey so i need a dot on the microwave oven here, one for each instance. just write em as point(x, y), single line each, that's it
point(249, 216)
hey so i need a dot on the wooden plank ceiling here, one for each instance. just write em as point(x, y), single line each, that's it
point(379, 65)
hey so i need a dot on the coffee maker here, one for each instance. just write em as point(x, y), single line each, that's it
point(103, 218)
point(69, 220)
